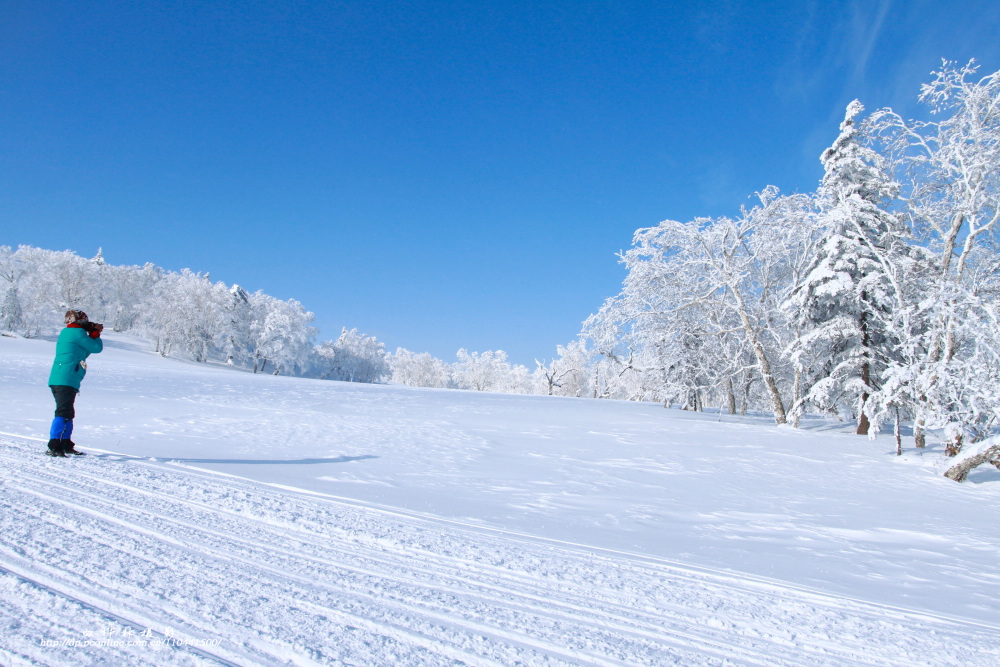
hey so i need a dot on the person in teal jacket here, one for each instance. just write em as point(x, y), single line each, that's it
point(80, 339)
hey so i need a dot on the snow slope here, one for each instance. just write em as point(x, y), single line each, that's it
point(227, 518)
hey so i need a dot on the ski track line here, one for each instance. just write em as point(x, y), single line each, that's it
point(719, 576)
point(704, 638)
point(87, 607)
point(642, 562)
point(575, 656)
point(696, 641)
point(383, 627)
point(108, 605)
point(638, 560)
point(443, 649)
point(731, 577)
point(427, 577)
point(649, 630)
point(391, 562)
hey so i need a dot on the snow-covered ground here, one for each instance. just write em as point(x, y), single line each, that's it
point(229, 518)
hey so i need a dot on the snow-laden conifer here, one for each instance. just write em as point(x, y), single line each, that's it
point(843, 301)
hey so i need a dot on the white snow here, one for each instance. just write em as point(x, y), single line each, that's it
point(223, 517)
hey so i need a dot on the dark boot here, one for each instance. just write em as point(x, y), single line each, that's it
point(55, 448)
point(68, 447)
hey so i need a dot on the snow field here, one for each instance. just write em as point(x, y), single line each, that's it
point(266, 576)
point(227, 518)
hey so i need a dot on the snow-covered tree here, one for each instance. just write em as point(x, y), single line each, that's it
point(46, 283)
point(354, 357)
point(130, 286)
point(239, 313)
point(74, 281)
point(418, 370)
point(186, 314)
point(700, 299)
point(487, 371)
point(849, 292)
point(568, 374)
point(11, 271)
point(951, 178)
point(280, 333)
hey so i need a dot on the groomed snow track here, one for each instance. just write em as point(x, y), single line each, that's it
point(106, 559)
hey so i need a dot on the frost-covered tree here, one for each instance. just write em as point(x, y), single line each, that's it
point(10, 308)
point(186, 314)
point(700, 299)
point(354, 357)
point(239, 313)
point(614, 334)
point(280, 333)
point(103, 295)
point(74, 280)
point(568, 374)
point(848, 293)
point(950, 169)
point(11, 271)
point(419, 370)
point(46, 283)
point(487, 371)
point(180, 313)
point(130, 286)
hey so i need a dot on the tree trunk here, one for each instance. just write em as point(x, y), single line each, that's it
point(960, 471)
point(866, 371)
point(898, 434)
point(863, 423)
point(796, 395)
point(764, 365)
point(745, 400)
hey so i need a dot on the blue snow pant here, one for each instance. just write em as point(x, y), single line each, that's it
point(62, 425)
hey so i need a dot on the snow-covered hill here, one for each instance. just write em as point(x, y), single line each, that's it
point(228, 518)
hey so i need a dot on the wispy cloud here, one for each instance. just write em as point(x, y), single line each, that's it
point(867, 29)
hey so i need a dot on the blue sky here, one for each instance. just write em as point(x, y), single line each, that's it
point(437, 174)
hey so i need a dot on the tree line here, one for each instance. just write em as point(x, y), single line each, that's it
point(874, 298)
point(185, 314)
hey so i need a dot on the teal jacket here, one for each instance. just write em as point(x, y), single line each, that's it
point(73, 346)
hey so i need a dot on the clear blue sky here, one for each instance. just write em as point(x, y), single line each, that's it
point(437, 174)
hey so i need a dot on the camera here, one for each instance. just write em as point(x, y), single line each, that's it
point(90, 327)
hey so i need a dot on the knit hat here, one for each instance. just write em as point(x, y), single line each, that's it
point(76, 317)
